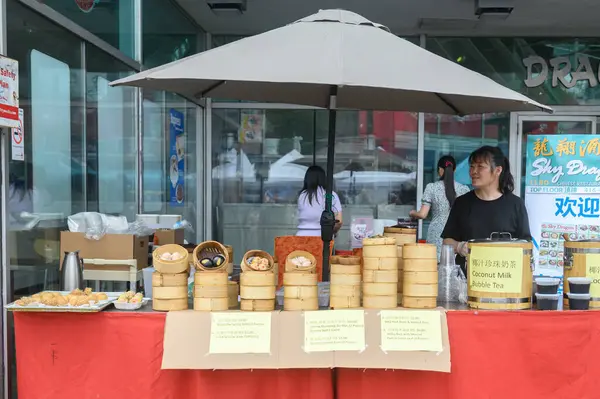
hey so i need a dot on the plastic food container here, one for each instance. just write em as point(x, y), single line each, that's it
point(547, 285)
point(130, 306)
point(579, 285)
point(547, 301)
point(579, 301)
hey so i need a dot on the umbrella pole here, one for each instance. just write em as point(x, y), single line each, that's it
point(328, 217)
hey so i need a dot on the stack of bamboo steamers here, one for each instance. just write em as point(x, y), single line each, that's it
point(402, 236)
point(345, 282)
point(211, 282)
point(257, 282)
point(420, 276)
point(300, 288)
point(169, 282)
point(380, 273)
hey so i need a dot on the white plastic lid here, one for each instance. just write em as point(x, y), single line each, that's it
point(579, 280)
point(578, 296)
point(547, 296)
point(547, 281)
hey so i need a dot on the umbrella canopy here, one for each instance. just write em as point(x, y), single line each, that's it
point(334, 59)
point(299, 63)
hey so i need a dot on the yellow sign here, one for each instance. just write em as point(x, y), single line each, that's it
point(240, 332)
point(592, 271)
point(411, 330)
point(496, 269)
point(334, 330)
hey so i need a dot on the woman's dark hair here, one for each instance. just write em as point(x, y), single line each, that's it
point(495, 157)
point(448, 164)
point(314, 179)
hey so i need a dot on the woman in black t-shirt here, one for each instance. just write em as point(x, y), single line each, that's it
point(491, 207)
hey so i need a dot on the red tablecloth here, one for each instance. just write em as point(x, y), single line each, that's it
point(114, 355)
point(495, 355)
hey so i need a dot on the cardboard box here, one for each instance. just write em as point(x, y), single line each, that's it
point(110, 246)
point(187, 340)
point(169, 236)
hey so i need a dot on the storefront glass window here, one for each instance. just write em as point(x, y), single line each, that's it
point(49, 184)
point(111, 21)
point(260, 157)
point(459, 136)
point(111, 155)
point(165, 191)
point(167, 33)
point(552, 71)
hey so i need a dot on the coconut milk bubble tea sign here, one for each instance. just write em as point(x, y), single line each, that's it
point(9, 93)
point(562, 195)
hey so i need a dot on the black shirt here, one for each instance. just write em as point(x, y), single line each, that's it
point(473, 218)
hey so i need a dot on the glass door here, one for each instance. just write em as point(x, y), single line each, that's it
point(543, 124)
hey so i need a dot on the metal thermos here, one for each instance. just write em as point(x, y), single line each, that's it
point(71, 272)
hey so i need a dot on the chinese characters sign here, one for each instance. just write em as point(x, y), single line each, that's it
point(592, 271)
point(563, 164)
point(562, 195)
point(496, 269)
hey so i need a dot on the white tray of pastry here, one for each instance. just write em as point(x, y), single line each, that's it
point(76, 301)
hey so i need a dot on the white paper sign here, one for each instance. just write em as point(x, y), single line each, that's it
point(18, 140)
point(9, 92)
point(240, 332)
point(334, 330)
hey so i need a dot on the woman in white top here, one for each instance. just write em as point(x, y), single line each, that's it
point(311, 203)
point(439, 197)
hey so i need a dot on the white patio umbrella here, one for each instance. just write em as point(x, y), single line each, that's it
point(334, 59)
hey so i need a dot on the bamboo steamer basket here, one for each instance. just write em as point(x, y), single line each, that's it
point(299, 279)
point(301, 304)
point(300, 292)
point(345, 260)
point(504, 301)
point(211, 304)
point(211, 291)
point(256, 252)
point(420, 265)
point(170, 293)
point(169, 280)
point(345, 279)
point(229, 267)
point(380, 276)
point(419, 302)
point(380, 302)
point(380, 247)
point(257, 305)
point(233, 291)
point(575, 265)
point(249, 292)
point(402, 235)
point(257, 279)
point(420, 277)
point(419, 251)
point(203, 278)
point(291, 267)
point(171, 266)
point(344, 269)
point(380, 264)
point(166, 305)
point(380, 289)
point(344, 302)
point(349, 291)
point(420, 290)
point(216, 248)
